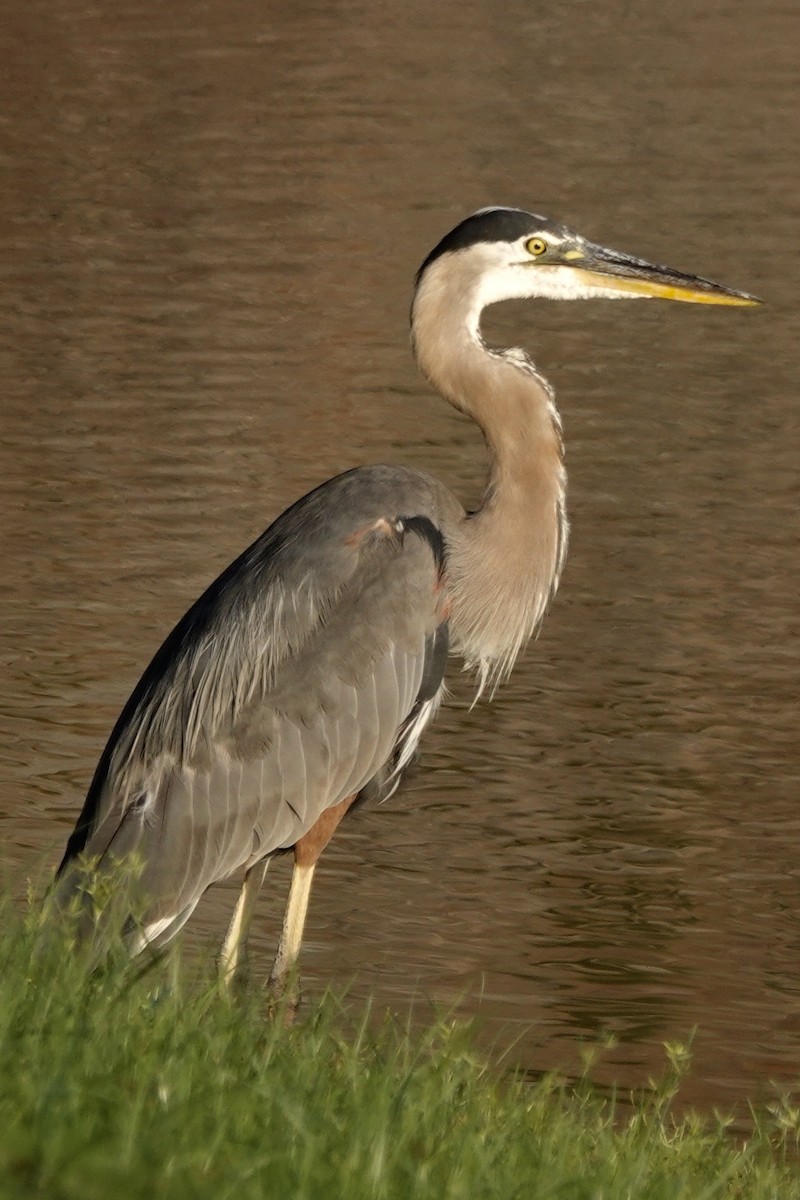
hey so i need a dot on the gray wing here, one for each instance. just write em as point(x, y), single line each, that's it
point(305, 673)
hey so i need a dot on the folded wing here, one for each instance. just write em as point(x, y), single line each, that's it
point(303, 676)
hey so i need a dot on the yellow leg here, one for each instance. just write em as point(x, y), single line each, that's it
point(307, 850)
point(293, 925)
point(235, 939)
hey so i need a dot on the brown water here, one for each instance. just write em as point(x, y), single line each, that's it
point(210, 217)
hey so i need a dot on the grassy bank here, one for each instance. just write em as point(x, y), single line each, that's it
point(125, 1086)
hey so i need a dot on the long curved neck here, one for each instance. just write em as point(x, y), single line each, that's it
point(505, 560)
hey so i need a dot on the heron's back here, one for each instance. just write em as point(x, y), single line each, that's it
point(310, 663)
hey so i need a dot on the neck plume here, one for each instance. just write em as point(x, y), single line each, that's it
point(505, 560)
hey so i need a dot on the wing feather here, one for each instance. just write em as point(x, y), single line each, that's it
point(282, 691)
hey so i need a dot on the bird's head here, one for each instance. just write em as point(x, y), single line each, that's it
point(506, 254)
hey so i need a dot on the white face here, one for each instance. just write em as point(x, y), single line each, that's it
point(551, 262)
point(556, 264)
point(520, 270)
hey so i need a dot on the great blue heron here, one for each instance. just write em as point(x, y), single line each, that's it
point(301, 681)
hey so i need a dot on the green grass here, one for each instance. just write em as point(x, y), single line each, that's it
point(124, 1085)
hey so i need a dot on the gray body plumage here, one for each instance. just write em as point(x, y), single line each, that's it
point(286, 688)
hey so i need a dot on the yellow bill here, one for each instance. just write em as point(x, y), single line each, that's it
point(622, 274)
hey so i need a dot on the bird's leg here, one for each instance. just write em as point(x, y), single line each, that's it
point(236, 938)
point(307, 850)
point(282, 983)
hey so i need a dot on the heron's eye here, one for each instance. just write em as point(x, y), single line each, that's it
point(536, 246)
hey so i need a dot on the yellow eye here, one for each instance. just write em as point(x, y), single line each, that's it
point(536, 246)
